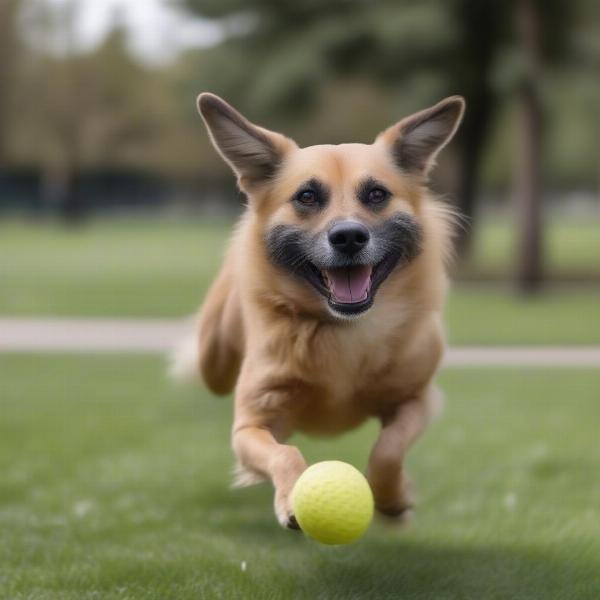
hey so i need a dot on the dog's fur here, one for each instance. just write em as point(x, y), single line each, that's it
point(298, 359)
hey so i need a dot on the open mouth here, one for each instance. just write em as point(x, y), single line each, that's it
point(348, 285)
point(350, 290)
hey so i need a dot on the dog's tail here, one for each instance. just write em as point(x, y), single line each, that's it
point(435, 402)
point(184, 360)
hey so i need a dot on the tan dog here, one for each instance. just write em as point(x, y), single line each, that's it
point(326, 311)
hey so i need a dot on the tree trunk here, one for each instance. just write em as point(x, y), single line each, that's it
point(529, 192)
point(472, 139)
point(480, 30)
point(8, 56)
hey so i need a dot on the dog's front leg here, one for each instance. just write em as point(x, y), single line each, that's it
point(386, 474)
point(258, 450)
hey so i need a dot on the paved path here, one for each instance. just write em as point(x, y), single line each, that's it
point(161, 335)
point(91, 335)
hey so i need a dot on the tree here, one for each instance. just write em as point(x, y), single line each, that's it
point(529, 178)
point(90, 108)
point(392, 43)
point(289, 48)
point(9, 54)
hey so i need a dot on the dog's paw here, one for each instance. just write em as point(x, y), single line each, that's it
point(287, 466)
point(288, 521)
point(396, 516)
point(284, 511)
point(292, 523)
point(397, 505)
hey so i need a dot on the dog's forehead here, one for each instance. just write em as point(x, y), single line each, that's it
point(338, 163)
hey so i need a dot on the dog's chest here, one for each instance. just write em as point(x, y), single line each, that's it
point(342, 357)
point(349, 378)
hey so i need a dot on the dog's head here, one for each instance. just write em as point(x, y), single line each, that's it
point(340, 219)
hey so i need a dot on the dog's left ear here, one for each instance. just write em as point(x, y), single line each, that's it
point(253, 153)
point(416, 140)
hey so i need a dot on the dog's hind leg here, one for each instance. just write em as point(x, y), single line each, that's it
point(220, 334)
point(386, 473)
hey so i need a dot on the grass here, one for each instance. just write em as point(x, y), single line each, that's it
point(148, 268)
point(571, 244)
point(163, 268)
point(493, 315)
point(114, 485)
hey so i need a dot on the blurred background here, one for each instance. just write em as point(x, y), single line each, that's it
point(101, 146)
point(114, 214)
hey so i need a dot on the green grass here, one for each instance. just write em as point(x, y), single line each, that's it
point(494, 315)
point(571, 244)
point(115, 485)
point(150, 268)
point(162, 269)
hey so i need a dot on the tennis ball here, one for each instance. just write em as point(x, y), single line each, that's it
point(333, 502)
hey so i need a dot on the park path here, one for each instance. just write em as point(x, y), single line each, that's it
point(161, 335)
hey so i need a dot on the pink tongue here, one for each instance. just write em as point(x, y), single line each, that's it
point(349, 284)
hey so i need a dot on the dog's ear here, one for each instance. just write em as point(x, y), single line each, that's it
point(252, 152)
point(416, 140)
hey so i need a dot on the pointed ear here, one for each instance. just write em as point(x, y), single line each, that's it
point(252, 152)
point(416, 140)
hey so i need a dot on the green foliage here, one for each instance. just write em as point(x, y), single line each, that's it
point(283, 60)
point(99, 108)
point(323, 71)
point(11, 56)
point(96, 108)
point(283, 66)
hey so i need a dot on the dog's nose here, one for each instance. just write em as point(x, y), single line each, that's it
point(349, 237)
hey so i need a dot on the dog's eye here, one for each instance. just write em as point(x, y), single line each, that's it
point(310, 197)
point(378, 195)
point(307, 197)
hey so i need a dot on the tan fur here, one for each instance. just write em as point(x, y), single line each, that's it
point(295, 367)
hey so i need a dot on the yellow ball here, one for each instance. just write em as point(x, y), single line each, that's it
point(333, 502)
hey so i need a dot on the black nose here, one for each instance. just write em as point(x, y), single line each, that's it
point(349, 237)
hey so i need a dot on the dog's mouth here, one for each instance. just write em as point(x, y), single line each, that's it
point(348, 285)
point(350, 290)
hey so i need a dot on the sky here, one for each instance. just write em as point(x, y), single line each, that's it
point(157, 31)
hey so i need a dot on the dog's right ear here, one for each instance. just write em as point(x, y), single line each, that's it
point(416, 140)
point(253, 153)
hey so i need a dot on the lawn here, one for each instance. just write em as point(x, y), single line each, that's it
point(162, 269)
point(571, 244)
point(114, 485)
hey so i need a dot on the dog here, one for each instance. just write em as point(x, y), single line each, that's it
point(327, 309)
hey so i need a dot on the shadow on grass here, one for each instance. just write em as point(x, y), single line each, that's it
point(409, 570)
point(375, 569)
point(388, 565)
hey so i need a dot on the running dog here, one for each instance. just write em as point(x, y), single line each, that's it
point(327, 308)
